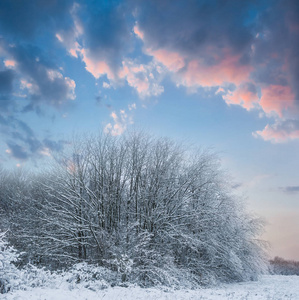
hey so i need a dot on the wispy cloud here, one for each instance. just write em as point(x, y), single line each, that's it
point(290, 189)
point(23, 143)
point(121, 120)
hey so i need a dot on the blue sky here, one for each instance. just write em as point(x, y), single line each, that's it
point(220, 74)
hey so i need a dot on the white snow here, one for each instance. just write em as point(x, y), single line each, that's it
point(272, 287)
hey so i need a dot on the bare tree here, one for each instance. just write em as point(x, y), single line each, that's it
point(152, 206)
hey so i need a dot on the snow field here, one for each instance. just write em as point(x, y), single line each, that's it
point(269, 287)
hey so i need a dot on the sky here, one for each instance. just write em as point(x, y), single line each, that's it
point(213, 73)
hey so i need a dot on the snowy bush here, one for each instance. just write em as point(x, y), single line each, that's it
point(9, 275)
point(89, 276)
point(32, 276)
point(152, 211)
point(123, 265)
point(282, 266)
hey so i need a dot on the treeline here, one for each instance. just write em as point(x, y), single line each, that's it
point(282, 266)
point(146, 207)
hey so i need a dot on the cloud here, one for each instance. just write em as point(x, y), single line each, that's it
point(190, 27)
point(96, 66)
point(290, 189)
point(144, 78)
point(106, 85)
point(23, 143)
point(244, 95)
point(226, 70)
point(100, 37)
point(6, 83)
point(172, 60)
point(236, 185)
point(246, 49)
point(277, 98)
point(132, 106)
point(17, 151)
point(276, 48)
point(29, 74)
point(102, 42)
point(9, 64)
point(138, 32)
point(120, 123)
point(54, 145)
point(45, 152)
point(27, 19)
point(31, 77)
point(41, 78)
point(31, 70)
point(206, 44)
point(280, 132)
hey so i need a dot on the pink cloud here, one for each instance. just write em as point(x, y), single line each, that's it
point(75, 49)
point(198, 73)
point(32, 88)
point(228, 70)
point(277, 98)
point(172, 60)
point(280, 132)
point(138, 32)
point(129, 72)
point(9, 63)
point(242, 96)
point(96, 67)
point(143, 78)
point(59, 37)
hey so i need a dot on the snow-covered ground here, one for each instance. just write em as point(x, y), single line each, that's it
point(272, 287)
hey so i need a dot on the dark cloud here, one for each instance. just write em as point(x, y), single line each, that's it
point(237, 185)
point(23, 126)
point(261, 32)
point(190, 26)
point(35, 79)
point(54, 145)
point(101, 35)
point(106, 31)
point(23, 26)
point(277, 46)
point(290, 189)
point(23, 142)
point(38, 76)
point(231, 42)
point(45, 82)
point(6, 83)
point(33, 144)
point(25, 19)
point(17, 151)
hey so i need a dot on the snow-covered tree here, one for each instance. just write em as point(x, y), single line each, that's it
point(150, 208)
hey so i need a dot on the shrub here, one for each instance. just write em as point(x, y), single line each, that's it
point(8, 272)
